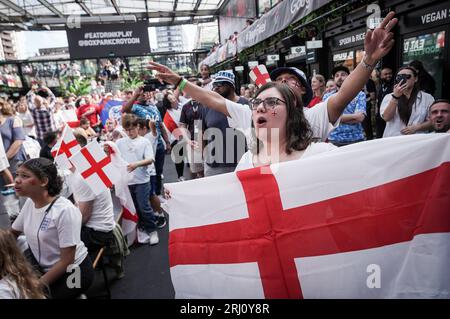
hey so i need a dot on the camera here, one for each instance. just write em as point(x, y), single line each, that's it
point(402, 78)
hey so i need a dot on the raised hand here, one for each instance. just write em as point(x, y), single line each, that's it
point(164, 73)
point(380, 41)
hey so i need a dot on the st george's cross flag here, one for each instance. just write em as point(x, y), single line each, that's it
point(122, 192)
point(369, 220)
point(65, 148)
point(95, 167)
point(259, 75)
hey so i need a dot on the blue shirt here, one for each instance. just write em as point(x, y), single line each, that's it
point(349, 132)
point(148, 112)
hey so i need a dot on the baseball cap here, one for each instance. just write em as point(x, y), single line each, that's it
point(340, 68)
point(300, 75)
point(225, 76)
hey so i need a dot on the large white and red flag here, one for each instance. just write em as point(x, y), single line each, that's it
point(95, 167)
point(369, 220)
point(259, 75)
point(65, 148)
point(122, 192)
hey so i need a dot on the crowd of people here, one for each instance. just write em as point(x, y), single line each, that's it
point(206, 124)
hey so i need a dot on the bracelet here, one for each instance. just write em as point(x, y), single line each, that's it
point(394, 97)
point(367, 65)
point(179, 81)
point(182, 85)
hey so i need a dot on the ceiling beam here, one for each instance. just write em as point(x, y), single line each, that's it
point(170, 23)
point(139, 15)
point(175, 5)
point(114, 3)
point(4, 17)
point(16, 8)
point(194, 12)
point(50, 7)
point(222, 6)
point(84, 7)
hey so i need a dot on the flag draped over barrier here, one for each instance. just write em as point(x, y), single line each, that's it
point(369, 220)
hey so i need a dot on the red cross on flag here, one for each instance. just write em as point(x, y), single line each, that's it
point(259, 75)
point(70, 118)
point(122, 192)
point(369, 220)
point(95, 167)
point(65, 148)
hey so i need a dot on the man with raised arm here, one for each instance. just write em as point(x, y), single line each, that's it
point(324, 116)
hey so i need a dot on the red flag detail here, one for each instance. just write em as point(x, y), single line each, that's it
point(96, 167)
point(270, 231)
point(261, 78)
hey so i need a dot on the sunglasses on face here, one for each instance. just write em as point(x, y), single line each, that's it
point(268, 103)
point(402, 78)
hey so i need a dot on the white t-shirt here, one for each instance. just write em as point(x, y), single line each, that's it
point(102, 217)
point(246, 161)
point(9, 289)
point(4, 163)
point(419, 113)
point(27, 119)
point(241, 118)
point(134, 150)
point(154, 142)
point(60, 228)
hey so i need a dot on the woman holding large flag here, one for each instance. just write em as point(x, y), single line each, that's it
point(377, 44)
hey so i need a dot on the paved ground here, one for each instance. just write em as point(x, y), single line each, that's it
point(147, 272)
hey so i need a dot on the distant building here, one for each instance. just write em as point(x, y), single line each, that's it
point(170, 38)
point(8, 46)
point(207, 35)
point(51, 54)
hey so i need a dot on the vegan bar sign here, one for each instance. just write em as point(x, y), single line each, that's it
point(106, 40)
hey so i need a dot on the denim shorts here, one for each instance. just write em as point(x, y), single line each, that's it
point(152, 185)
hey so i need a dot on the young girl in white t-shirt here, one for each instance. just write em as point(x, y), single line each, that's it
point(52, 227)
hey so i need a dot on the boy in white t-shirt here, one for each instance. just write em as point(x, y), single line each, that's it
point(147, 129)
point(138, 152)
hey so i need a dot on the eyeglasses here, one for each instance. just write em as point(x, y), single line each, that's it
point(268, 103)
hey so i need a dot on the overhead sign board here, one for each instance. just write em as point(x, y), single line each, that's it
point(108, 40)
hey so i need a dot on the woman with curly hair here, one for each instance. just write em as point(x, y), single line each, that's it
point(52, 226)
point(17, 279)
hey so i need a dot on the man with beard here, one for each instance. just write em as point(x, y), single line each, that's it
point(386, 87)
point(350, 130)
point(225, 146)
point(440, 116)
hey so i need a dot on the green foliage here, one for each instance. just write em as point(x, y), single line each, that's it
point(75, 85)
point(130, 82)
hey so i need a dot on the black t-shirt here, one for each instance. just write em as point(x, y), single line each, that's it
point(385, 89)
point(232, 150)
point(190, 113)
point(46, 152)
